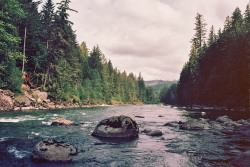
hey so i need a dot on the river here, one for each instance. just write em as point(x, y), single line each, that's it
point(20, 131)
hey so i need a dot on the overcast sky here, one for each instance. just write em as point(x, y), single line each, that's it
point(147, 36)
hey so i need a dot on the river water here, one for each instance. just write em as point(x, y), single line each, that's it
point(20, 131)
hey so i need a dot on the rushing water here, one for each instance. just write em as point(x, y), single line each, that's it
point(20, 131)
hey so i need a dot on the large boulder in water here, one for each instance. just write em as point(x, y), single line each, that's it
point(62, 121)
point(54, 151)
point(117, 127)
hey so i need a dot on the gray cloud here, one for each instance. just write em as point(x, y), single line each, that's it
point(147, 36)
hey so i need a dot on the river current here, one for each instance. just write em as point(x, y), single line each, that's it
point(20, 131)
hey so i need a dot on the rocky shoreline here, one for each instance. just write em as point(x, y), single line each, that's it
point(34, 99)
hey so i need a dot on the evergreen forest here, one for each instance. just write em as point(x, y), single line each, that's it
point(43, 46)
point(217, 72)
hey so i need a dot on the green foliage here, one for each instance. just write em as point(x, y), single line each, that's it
point(218, 74)
point(10, 15)
point(55, 62)
point(12, 79)
point(169, 95)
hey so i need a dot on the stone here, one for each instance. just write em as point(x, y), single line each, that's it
point(155, 133)
point(42, 95)
point(22, 101)
point(218, 133)
point(203, 113)
point(138, 116)
point(172, 124)
point(194, 125)
point(51, 105)
point(6, 100)
point(25, 87)
point(243, 122)
point(53, 151)
point(224, 119)
point(62, 121)
point(147, 131)
point(217, 126)
point(117, 127)
point(28, 108)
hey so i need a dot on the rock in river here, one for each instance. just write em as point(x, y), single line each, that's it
point(195, 125)
point(224, 119)
point(155, 133)
point(54, 151)
point(62, 121)
point(151, 132)
point(117, 127)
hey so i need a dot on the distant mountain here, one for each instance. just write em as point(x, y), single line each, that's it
point(158, 84)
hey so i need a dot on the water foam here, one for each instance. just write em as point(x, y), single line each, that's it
point(46, 123)
point(3, 139)
point(18, 119)
point(35, 133)
point(18, 154)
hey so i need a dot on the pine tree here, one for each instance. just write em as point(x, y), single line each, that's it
point(10, 15)
point(237, 22)
point(142, 89)
point(247, 19)
point(95, 59)
point(200, 32)
point(211, 37)
point(33, 47)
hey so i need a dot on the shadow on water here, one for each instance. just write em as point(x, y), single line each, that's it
point(213, 114)
point(115, 141)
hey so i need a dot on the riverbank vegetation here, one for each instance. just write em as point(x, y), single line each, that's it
point(39, 49)
point(217, 72)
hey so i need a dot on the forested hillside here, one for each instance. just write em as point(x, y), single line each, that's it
point(159, 84)
point(43, 47)
point(217, 72)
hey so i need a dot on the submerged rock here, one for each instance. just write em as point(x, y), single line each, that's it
point(147, 131)
point(217, 126)
point(117, 127)
point(172, 124)
point(195, 125)
point(151, 132)
point(54, 151)
point(155, 133)
point(224, 119)
point(138, 116)
point(62, 121)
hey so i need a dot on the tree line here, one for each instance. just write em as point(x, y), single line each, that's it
point(217, 72)
point(43, 46)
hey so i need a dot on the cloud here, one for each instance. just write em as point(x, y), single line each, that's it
point(148, 36)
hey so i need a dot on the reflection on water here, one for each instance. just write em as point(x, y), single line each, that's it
point(20, 131)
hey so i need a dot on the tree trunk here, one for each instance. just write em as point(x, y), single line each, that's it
point(24, 43)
